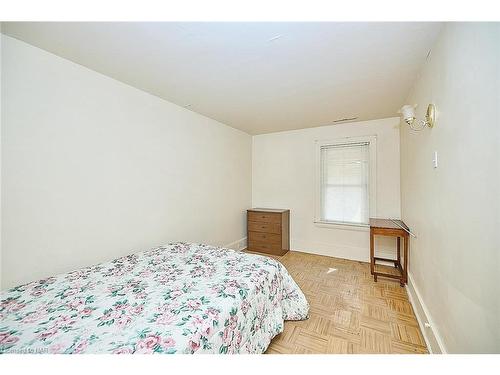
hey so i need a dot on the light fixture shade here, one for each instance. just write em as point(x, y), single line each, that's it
point(407, 112)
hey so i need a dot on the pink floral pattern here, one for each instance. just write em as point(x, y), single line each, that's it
point(179, 298)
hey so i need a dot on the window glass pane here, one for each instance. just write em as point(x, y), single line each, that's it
point(344, 183)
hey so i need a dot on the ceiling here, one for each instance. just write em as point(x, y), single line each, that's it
point(257, 77)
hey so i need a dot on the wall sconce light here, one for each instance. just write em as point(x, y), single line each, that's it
point(408, 114)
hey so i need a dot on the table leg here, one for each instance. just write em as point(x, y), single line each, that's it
point(399, 252)
point(405, 270)
point(372, 254)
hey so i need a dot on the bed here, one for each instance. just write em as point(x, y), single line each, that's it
point(178, 298)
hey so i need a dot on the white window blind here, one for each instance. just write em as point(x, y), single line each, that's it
point(344, 183)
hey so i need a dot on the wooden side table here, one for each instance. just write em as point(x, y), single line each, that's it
point(393, 228)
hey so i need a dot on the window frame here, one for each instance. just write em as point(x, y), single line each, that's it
point(372, 181)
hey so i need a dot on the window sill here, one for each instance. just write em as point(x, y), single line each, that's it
point(344, 226)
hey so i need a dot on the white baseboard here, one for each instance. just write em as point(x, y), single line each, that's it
point(427, 327)
point(237, 245)
point(360, 254)
point(329, 249)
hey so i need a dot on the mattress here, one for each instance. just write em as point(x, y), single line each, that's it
point(177, 298)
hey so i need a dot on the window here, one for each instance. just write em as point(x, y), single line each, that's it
point(346, 183)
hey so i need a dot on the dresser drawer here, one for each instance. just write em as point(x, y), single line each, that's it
point(254, 226)
point(265, 237)
point(264, 247)
point(264, 217)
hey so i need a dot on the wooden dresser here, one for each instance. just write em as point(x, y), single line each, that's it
point(268, 230)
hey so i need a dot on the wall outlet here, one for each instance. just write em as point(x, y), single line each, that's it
point(435, 160)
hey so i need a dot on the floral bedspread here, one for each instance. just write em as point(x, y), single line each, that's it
point(179, 298)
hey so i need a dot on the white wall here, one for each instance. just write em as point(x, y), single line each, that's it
point(454, 209)
point(93, 169)
point(1, 120)
point(284, 177)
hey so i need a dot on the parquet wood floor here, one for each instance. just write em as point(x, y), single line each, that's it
point(349, 312)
